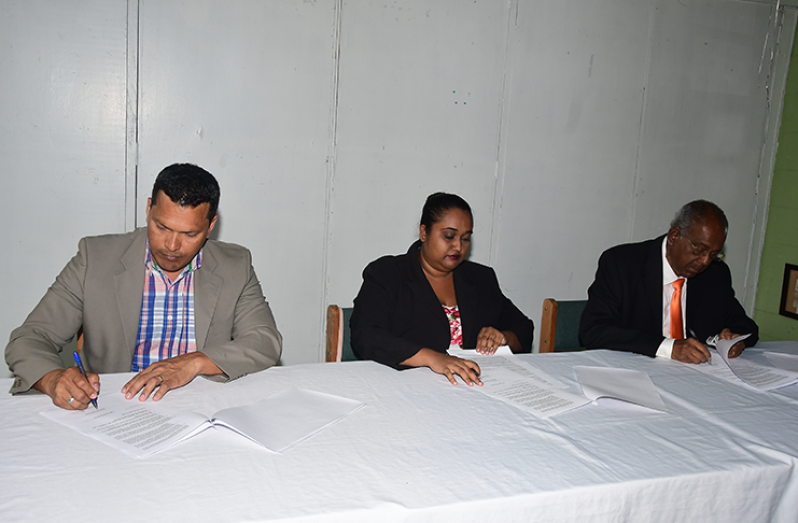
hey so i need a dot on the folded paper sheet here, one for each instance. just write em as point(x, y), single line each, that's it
point(632, 386)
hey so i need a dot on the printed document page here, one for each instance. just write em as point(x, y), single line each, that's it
point(142, 429)
point(522, 385)
point(758, 376)
point(719, 369)
point(510, 362)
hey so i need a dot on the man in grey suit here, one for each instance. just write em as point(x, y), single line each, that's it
point(163, 301)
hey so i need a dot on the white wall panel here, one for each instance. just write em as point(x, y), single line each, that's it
point(62, 140)
point(572, 121)
point(419, 104)
point(244, 89)
point(705, 117)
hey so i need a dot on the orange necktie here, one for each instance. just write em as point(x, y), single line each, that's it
point(676, 310)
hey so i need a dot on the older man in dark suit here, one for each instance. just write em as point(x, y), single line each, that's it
point(670, 295)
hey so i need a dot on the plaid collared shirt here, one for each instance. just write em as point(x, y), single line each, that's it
point(166, 326)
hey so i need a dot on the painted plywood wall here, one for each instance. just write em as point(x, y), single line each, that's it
point(781, 242)
point(568, 126)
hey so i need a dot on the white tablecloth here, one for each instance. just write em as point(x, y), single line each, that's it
point(423, 450)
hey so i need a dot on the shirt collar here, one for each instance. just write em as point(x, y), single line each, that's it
point(149, 262)
point(668, 276)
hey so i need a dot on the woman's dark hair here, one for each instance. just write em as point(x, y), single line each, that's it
point(438, 204)
point(188, 185)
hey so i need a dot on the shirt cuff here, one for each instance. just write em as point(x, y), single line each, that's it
point(665, 348)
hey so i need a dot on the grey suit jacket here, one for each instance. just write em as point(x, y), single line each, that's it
point(101, 289)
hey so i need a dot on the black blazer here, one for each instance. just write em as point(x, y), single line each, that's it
point(397, 314)
point(624, 307)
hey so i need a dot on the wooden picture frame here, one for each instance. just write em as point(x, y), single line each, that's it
point(789, 292)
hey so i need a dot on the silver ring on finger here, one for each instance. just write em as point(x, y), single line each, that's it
point(160, 378)
point(71, 399)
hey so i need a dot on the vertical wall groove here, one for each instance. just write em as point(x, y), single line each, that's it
point(331, 156)
point(132, 116)
point(501, 150)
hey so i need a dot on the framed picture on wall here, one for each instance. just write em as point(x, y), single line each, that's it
point(789, 292)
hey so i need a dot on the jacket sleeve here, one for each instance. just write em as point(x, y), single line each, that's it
point(718, 308)
point(375, 311)
point(33, 348)
point(251, 342)
point(512, 319)
point(610, 319)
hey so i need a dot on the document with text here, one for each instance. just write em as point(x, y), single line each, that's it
point(141, 429)
point(758, 376)
point(522, 385)
point(743, 371)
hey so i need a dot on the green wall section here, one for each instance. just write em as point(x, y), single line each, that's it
point(781, 237)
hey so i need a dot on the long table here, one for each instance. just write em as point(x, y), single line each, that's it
point(424, 450)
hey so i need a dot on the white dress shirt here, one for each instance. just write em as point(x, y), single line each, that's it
point(668, 277)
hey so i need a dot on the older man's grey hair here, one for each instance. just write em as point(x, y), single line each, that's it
point(699, 211)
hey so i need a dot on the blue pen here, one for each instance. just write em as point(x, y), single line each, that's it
point(83, 371)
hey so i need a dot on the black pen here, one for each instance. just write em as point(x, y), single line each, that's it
point(692, 333)
point(83, 371)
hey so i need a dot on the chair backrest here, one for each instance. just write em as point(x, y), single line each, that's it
point(559, 326)
point(339, 345)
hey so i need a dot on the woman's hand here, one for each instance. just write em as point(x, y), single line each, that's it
point(446, 365)
point(490, 339)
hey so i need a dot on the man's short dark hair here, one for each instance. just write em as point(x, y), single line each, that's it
point(699, 211)
point(188, 185)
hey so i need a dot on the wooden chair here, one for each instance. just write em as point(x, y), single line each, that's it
point(559, 326)
point(339, 346)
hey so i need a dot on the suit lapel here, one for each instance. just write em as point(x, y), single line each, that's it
point(420, 287)
point(207, 287)
point(467, 304)
point(129, 287)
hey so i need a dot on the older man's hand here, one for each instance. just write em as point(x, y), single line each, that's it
point(690, 351)
point(737, 348)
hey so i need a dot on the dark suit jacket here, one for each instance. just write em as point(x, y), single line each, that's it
point(624, 307)
point(397, 314)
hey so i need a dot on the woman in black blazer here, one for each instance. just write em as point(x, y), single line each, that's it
point(412, 307)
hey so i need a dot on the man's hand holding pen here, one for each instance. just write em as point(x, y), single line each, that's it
point(690, 351)
point(69, 389)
